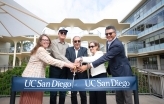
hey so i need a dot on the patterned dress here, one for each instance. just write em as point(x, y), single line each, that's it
point(36, 68)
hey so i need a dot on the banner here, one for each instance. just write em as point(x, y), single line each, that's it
point(93, 84)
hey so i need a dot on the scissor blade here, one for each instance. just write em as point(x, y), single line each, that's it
point(73, 81)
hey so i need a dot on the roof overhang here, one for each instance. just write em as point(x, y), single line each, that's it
point(71, 22)
point(93, 38)
point(127, 38)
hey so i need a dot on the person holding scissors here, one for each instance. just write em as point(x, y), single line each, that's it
point(71, 54)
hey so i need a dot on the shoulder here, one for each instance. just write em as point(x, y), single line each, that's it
point(69, 48)
point(41, 49)
point(117, 42)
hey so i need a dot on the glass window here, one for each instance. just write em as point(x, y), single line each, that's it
point(162, 38)
point(160, 17)
point(147, 43)
point(156, 39)
point(144, 44)
point(151, 41)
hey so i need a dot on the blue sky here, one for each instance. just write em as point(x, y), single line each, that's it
point(86, 10)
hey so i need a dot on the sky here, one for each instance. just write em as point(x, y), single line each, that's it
point(89, 11)
point(86, 10)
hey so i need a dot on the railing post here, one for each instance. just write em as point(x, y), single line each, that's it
point(135, 92)
point(12, 94)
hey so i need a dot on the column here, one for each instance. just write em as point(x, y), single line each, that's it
point(71, 35)
point(20, 60)
point(34, 40)
point(158, 62)
point(126, 49)
point(21, 48)
point(14, 56)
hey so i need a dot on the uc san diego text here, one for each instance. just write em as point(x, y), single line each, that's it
point(68, 84)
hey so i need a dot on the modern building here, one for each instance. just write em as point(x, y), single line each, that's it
point(146, 49)
point(146, 45)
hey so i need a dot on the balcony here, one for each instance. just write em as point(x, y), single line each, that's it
point(152, 49)
point(152, 29)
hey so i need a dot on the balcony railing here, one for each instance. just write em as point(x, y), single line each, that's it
point(151, 48)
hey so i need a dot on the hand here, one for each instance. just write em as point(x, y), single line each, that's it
point(77, 60)
point(82, 68)
point(72, 65)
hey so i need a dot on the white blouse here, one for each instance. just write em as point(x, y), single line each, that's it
point(98, 70)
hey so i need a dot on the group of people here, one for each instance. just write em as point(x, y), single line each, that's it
point(64, 59)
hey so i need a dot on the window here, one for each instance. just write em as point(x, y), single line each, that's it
point(162, 38)
point(156, 40)
point(151, 41)
point(147, 43)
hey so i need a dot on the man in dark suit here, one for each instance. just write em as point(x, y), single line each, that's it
point(72, 53)
point(119, 64)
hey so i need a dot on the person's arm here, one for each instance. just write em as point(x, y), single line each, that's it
point(91, 58)
point(43, 55)
point(115, 50)
point(57, 54)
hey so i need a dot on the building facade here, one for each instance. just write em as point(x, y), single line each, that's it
point(146, 21)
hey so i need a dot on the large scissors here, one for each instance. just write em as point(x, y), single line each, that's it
point(74, 73)
point(74, 70)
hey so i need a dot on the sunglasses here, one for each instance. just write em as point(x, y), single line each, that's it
point(65, 33)
point(109, 33)
point(91, 46)
point(76, 41)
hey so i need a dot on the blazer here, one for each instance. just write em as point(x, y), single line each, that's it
point(119, 64)
point(37, 64)
point(98, 70)
point(71, 56)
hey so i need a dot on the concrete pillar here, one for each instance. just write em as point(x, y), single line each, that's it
point(72, 27)
point(139, 63)
point(34, 40)
point(20, 60)
point(126, 49)
point(158, 62)
point(21, 48)
point(14, 56)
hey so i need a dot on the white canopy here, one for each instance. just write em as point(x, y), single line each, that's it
point(17, 21)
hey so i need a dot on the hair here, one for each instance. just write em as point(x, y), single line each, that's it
point(96, 44)
point(33, 51)
point(75, 37)
point(111, 27)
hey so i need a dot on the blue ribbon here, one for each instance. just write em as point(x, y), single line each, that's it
point(93, 84)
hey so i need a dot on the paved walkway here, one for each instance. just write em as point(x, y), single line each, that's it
point(144, 99)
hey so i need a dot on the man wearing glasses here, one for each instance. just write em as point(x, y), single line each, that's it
point(119, 64)
point(58, 49)
point(72, 53)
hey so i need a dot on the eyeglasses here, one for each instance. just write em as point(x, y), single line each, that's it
point(45, 40)
point(91, 46)
point(76, 41)
point(62, 32)
point(109, 33)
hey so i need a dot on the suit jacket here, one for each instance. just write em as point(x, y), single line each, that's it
point(71, 56)
point(37, 63)
point(119, 64)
